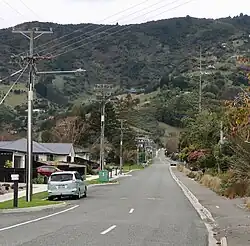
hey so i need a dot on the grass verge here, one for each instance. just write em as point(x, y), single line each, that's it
point(97, 181)
point(38, 199)
point(224, 184)
point(127, 168)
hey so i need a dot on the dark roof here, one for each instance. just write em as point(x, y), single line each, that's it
point(59, 148)
point(40, 148)
point(21, 146)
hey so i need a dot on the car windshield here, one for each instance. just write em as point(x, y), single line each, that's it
point(62, 177)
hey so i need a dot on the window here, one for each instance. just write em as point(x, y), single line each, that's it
point(68, 158)
point(78, 176)
point(50, 158)
point(61, 177)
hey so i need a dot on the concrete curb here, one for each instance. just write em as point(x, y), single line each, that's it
point(204, 213)
point(93, 185)
point(223, 241)
point(33, 209)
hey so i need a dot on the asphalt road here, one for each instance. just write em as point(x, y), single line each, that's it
point(145, 209)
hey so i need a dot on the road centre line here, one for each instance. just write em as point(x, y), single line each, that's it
point(38, 219)
point(108, 230)
point(131, 210)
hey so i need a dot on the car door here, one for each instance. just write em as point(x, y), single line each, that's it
point(80, 182)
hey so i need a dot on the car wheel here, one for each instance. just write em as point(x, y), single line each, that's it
point(85, 192)
point(50, 198)
point(78, 196)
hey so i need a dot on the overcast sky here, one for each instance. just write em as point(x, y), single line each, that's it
point(14, 12)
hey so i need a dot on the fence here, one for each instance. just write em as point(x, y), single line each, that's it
point(5, 174)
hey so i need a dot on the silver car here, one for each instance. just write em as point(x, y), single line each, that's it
point(66, 183)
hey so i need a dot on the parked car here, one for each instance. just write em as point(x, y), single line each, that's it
point(67, 183)
point(47, 170)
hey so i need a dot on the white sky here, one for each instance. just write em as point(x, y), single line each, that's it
point(95, 11)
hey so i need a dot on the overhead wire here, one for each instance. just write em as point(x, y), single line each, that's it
point(14, 9)
point(88, 25)
point(30, 9)
point(104, 27)
point(19, 77)
point(13, 74)
point(120, 30)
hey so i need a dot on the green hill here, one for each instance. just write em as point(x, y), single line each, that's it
point(145, 56)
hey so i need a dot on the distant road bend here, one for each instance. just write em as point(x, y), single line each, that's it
point(147, 209)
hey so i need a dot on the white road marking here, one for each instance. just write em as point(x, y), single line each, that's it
point(38, 219)
point(204, 213)
point(217, 207)
point(131, 210)
point(108, 230)
point(123, 198)
point(223, 241)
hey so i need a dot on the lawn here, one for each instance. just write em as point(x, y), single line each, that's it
point(38, 199)
point(127, 168)
point(97, 181)
point(14, 99)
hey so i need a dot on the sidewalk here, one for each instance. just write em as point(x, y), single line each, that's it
point(36, 189)
point(233, 222)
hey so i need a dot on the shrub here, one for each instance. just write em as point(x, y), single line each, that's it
point(39, 179)
point(212, 182)
point(191, 175)
point(232, 187)
point(247, 201)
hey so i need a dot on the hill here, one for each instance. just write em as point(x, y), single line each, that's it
point(128, 56)
point(145, 56)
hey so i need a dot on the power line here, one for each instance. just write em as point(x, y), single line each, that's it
point(121, 30)
point(89, 25)
point(103, 27)
point(31, 10)
point(13, 74)
point(14, 9)
point(7, 93)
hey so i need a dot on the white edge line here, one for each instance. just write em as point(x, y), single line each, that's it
point(131, 210)
point(201, 210)
point(223, 241)
point(38, 219)
point(108, 230)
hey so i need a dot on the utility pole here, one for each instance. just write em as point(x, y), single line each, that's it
point(103, 94)
point(121, 147)
point(200, 86)
point(32, 35)
point(221, 142)
point(138, 145)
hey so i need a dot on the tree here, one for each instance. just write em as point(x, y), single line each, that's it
point(202, 131)
point(69, 130)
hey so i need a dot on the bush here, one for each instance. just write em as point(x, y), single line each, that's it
point(212, 182)
point(39, 179)
point(191, 175)
point(247, 201)
point(233, 187)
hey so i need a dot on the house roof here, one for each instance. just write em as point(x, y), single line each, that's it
point(59, 148)
point(39, 148)
point(21, 146)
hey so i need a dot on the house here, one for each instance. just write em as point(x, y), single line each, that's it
point(15, 151)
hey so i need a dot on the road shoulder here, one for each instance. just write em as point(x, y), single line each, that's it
point(232, 221)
